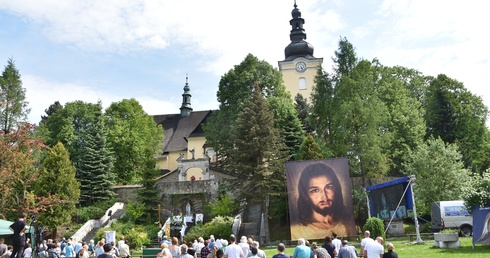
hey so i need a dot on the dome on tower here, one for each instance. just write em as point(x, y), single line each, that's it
point(298, 49)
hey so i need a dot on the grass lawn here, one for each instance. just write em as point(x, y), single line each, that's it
point(423, 250)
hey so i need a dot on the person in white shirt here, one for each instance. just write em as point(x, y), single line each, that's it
point(365, 240)
point(233, 250)
point(336, 242)
point(28, 251)
point(374, 249)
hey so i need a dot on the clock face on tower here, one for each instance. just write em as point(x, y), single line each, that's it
point(300, 67)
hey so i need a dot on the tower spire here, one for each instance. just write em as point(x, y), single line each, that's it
point(298, 46)
point(186, 108)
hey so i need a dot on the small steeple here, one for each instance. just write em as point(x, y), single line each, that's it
point(186, 108)
point(298, 46)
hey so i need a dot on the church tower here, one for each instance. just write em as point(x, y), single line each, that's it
point(299, 66)
point(185, 108)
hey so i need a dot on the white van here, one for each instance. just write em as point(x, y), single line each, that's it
point(452, 214)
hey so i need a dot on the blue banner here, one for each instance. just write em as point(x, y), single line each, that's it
point(481, 225)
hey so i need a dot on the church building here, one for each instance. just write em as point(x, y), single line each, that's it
point(189, 180)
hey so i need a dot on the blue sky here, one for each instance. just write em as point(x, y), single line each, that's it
point(114, 49)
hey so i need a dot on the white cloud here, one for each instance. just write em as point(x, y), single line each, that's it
point(41, 93)
point(431, 36)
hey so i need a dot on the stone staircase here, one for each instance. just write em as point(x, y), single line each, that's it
point(250, 225)
point(92, 233)
point(89, 229)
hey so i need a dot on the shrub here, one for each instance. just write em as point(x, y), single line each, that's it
point(218, 226)
point(375, 226)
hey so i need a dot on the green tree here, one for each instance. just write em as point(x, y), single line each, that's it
point(310, 150)
point(345, 59)
point(361, 122)
point(96, 171)
point(457, 116)
point(235, 87)
point(20, 154)
point(258, 157)
point(322, 105)
point(57, 178)
point(13, 107)
point(406, 122)
point(303, 108)
point(135, 138)
point(439, 172)
point(476, 191)
point(148, 195)
point(224, 206)
point(68, 125)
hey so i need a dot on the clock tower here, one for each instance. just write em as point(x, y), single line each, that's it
point(299, 66)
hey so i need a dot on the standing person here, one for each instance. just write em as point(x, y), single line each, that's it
point(84, 253)
point(100, 248)
point(329, 247)
point(347, 251)
point(336, 242)
point(107, 252)
point(191, 250)
point(320, 205)
point(69, 251)
point(319, 252)
point(91, 247)
point(218, 242)
point(205, 249)
point(281, 248)
point(260, 253)
point(120, 242)
point(301, 250)
point(244, 245)
point(19, 238)
point(365, 240)
point(3, 248)
point(78, 247)
point(390, 253)
point(233, 250)
point(28, 251)
point(374, 249)
point(183, 252)
point(174, 248)
point(9, 251)
point(115, 250)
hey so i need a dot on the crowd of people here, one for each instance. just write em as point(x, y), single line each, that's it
point(249, 248)
point(336, 248)
point(66, 248)
point(211, 248)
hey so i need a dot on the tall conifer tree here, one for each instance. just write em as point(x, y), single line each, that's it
point(259, 154)
point(57, 178)
point(96, 173)
point(13, 107)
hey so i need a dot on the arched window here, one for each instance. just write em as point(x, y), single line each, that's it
point(302, 83)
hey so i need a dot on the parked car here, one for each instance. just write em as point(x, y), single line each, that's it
point(452, 215)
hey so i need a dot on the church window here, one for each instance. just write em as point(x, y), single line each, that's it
point(302, 83)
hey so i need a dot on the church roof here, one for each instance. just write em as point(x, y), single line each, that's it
point(177, 128)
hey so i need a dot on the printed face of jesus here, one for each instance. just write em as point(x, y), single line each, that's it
point(321, 193)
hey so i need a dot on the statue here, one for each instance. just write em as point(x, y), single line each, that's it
point(188, 209)
point(192, 152)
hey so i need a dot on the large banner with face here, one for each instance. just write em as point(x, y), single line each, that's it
point(320, 198)
point(481, 225)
